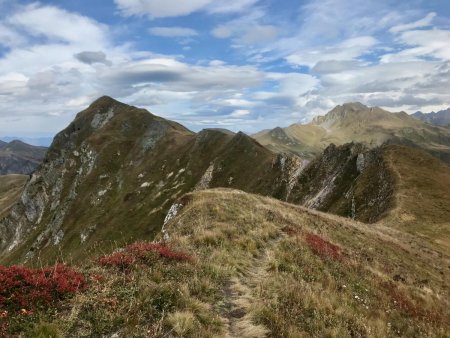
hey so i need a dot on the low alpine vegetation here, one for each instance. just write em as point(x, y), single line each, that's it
point(23, 291)
point(322, 247)
point(141, 252)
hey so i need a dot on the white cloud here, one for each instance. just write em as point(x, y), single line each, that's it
point(347, 50)
point(9, 38)
point(160, 8)
point(58, 25)
point(173, 31)
point(240, 113)
point(434, 43)
point(220, 6)
point(174, 8)
point(426, 21)
point(246, 30)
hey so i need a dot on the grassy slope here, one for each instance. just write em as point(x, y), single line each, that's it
point(422, 194)
point(256, 273)
point(10, 188)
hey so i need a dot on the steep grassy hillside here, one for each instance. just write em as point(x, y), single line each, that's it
point(17, 157)
point(10, 188)
point(422, 193)
point(241, 265)
point(354, 122)
point(113, 173)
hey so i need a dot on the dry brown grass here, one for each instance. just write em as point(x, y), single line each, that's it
point(422, 194)
point(10, 188)
point(254, 274)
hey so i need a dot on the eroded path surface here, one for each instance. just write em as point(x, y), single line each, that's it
point(240, 293)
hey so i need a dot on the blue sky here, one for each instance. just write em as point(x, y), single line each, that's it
point(243, 65)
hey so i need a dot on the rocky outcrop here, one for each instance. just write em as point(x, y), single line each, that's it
point(349, 180)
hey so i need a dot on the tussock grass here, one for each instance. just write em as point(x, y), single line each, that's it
point(264, 268)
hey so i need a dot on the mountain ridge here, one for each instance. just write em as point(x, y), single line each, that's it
point(355, 122)
point(129, 166)
point(440, 118)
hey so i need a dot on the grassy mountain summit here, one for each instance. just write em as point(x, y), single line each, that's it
point(17, 157)
point(355, 122)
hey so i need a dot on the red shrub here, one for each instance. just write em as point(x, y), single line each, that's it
point(121, 260)
point(322, 247)
point(139, 251)
point(25, 288)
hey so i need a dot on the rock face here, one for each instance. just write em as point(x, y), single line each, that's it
point(17, 157)
point(355, 122)
point(350, 180)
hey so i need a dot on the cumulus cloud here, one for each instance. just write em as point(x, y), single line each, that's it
point(173, 31)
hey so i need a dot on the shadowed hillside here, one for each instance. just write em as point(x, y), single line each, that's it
point(17, 157)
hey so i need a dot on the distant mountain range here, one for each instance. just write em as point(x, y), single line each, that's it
point(17, 157)
point(355, 122)
point(440, 118)
point(34, 141)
